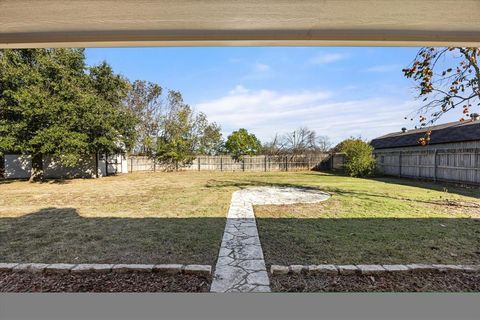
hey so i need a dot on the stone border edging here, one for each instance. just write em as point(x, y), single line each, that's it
point(368, 269)
point(105, 268)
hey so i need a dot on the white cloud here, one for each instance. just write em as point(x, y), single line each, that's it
point(326, 58)
point(384, 68)
point(239, 89)
point(261, 67)
point(259, 71)
point(266, 112)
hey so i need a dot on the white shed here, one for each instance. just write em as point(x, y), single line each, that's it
point(18, 166)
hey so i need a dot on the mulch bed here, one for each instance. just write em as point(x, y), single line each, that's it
point(388, 282)
point(102, 282)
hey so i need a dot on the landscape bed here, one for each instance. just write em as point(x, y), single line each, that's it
point(429, 281)
point(102, 282)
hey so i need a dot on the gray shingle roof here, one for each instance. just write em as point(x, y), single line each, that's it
point(444, 133)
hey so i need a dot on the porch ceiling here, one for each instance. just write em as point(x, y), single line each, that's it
point(89, 23)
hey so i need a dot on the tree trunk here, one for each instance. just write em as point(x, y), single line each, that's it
point(37, 168)
point(96, 164)
point(2, 166)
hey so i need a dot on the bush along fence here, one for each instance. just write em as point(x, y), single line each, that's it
point(315, 161)
point(447, 165)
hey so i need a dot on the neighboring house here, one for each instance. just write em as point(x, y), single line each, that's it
point(18, 166)
point(452, 154)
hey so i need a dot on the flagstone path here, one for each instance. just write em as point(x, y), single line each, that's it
point(241, 266)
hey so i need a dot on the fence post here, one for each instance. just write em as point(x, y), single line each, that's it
point(418, 165)
point(435, 165)
point(477, 164)
point(221, 163)
point(243, 164)
point(198, 161)
point(400, 164)
point(265, 160)
point(286, 163)
point(154, 165)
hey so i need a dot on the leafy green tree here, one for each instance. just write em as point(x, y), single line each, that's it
point(359, 160)
point(184, 134)
point(145, 101)
point(52, 103)
point(175, 144)
point(241, 143)
point(110, 125)
point(209, 136)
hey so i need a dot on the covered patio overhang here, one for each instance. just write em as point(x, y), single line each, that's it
point(122, 23)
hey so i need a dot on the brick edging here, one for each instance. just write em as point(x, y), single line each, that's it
point(369, 268)
point(105, 268)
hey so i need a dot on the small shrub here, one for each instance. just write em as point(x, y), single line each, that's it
point(359, 160)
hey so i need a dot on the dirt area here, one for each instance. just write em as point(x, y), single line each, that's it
point(389, 282)
point(98, 282)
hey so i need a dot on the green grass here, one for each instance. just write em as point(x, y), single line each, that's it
point(374, 221)
point(179, 217)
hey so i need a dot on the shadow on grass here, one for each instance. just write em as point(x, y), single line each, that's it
point(45, 181)
point(450, 189)
point(469, 191)
point(61, 235)
point(370, 240)
point(8, 181)
point(243, 184)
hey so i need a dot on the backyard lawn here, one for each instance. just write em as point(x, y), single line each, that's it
point(382, 221)
point(179, 217)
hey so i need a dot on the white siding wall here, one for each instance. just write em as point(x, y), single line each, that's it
point(17, 166)
point(102, 172)
point(124, 165)
point(20, 166)
point(117, 164)
point(53, 169)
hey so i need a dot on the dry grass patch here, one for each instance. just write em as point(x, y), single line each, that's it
point(135, 218)
point(139, 195)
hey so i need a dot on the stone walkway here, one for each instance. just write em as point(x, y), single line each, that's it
point(241, 266)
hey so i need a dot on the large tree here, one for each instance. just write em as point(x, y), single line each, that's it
point(110, 125)
point(446, 78)
point(241, 143)
point(145, 101)
point(184, 133)
point(208, 136)
point(299, 141)
point(52, 103)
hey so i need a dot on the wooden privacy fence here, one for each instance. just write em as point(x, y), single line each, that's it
point(448, 165)
point(227, 163)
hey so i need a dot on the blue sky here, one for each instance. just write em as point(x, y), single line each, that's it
point(338, 92)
